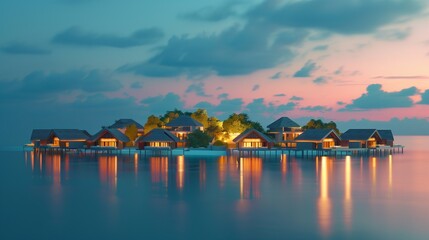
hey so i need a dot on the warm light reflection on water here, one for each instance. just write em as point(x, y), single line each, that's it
point(390, 172)
point(180, 171)
point(283, 164)
point(250, 177)
point(324, 203)
point(159, 170)
point(348, 206)
point(108, 170)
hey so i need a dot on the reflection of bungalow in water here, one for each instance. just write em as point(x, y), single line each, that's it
point(158, 138)
point(183, 125)
point(318, 139)
point(123, 124)
point(252, 138)
point(284, 131)
point(386, 137)
point(361, 138)
point(109, 138)
point(64, 138)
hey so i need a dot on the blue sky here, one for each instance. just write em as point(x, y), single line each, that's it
point(85, 63)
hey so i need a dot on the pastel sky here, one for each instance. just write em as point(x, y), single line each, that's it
point(85, 63)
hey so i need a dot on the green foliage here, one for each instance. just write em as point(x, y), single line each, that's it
point(214, 128)
point(198, 139)
point(319, 124)
point(237, 123)
point(201, 116)
point(151, 123)
point(220, 143)
point(171, 115)
point(131, 133)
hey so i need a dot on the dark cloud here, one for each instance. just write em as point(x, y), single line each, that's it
point(235, 51)
point(317, 108)
point(376, 98)
point(295, 98)
point(291, 37)
point(425, 97)
point(393, 34)
point(39, 85)
point(161, 103)
point(345, 17)
point(255, 87)
point(339, 71)
point(261, 112)
point(280, 95)
point(341, 103)
point(198, 89)
point(136, 85)
point(223, 96)
point(76, 36)
point(320, 48)
point(320, 80)
point(213, 14)
point(24, 49)
point(307, 69)
point(277, 75)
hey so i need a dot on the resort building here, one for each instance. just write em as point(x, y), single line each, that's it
point(109, 138)
point(252, 138)
point(158, 138)
point(284, 131)
point(182, 126)
point(318, 139)
point(387, 138)
point(123, 124)
point(361, 138)
point(59, 138)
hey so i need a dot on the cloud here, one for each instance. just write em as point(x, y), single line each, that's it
point(339, 71)
point(341, 103)
point(376, 98)
point(280, 95)
point(136, 85)
point(306, 70)
point(393, 34)
point(295, 98)
point(161, 103)
point(24, 49)
point(234, 51)
point(223, 96)
point(260, 111)
point(224, 108)
point(402, 77)
point(317, 108)
point(344, 17)
point(78, 37)
point(291, 37)
point(198, 89)
point(320, 48)
point(213, 14)
point(320, 80)
point(39, 85)
point(276, 75)
point(255, 87)
point(425, 97)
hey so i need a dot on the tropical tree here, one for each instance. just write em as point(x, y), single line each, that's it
point(171, 115)
point(319, 124)
point(201, 116)
point(131, 133)
point(152, 122)
point(198, 138)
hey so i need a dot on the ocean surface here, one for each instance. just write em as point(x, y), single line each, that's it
point(189, 197)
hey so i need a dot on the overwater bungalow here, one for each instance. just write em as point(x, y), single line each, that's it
point(182, 126)
point(59, 138)
point(253, 139)
point(158, 138)
point(361, 138)
point(109, 138)
point(387, 138)
point(123, 124)
point(318, 139)
point(284, 131)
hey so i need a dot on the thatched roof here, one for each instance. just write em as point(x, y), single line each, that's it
point(251, 131)
point(315, 134)
point(158, 135)
point(386, 134)
point(283, 122)
point(359, 134)
point(124, 123)
point(184, 121)
point(113, 132)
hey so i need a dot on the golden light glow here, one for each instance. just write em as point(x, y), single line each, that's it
point(250, 177)
point(347, 193)
point(108, 169)
point(180, 171)
point(223, 164)
point(324, 203)
point(390, 172)
point(159, 170)
point(373, 169)
point(136, 163)
point(283, 162)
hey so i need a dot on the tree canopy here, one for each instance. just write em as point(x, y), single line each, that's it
point(198, 138)
point(319, 124)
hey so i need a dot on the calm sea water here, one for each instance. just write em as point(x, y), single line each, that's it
point(131, 197)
